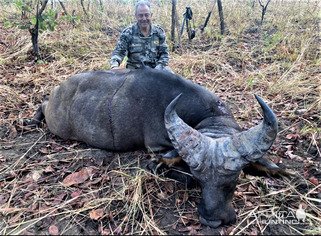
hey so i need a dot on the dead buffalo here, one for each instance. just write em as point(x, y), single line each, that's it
point(131, 109)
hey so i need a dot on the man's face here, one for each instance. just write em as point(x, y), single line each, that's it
point(143, 16)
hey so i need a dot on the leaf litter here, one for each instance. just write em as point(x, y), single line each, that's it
point(52, 186)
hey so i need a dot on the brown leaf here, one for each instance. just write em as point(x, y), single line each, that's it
point(44, 150)
point(293, 136)
point(13, 132)
point(77, 177)
point(103, 231)
point(59, 198)
point(229, 230)
point(53, 230)
point(27, 232)
point(96, 214)
point(56, 148)
point(111, 216)
point(49, 169)
point(169, 186)
point(95, 181)
point(314, 180)
point(3, 198)
point(192, 232)
point(36, 175)
point(254, 231)
point(293, 156)
point(76, 193)
point(162, 195)
point(193, 229)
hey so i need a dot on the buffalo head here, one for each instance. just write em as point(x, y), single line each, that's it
point(217, 163)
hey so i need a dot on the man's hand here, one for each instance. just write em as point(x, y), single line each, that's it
point(162, 67)
point(114, 65)
point(159, 67)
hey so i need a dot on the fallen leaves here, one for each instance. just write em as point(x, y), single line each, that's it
point(192, 229)
point(290, 154)
point(314, 180)
point(53, 230)
point(36, 175)
point(49, 169)
point(78, 177)
point(292, 136)
point(96, 214)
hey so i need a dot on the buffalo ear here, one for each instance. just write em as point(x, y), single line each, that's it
point(265, 167)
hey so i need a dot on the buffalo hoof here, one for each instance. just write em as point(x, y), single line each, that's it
point(156, 167)
point(179, 173)
point(171, 158)
point(210, 223)
point(31, 122)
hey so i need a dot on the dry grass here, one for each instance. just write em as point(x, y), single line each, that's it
point(280, 62)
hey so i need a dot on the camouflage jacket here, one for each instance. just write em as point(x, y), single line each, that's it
point(152, 50)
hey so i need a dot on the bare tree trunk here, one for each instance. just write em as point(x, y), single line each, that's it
point(43, 6)
point(253, 4)
point(83, 7)
point(207, 19)
point(174, 2)
point(101, 5)
point(88, 6)
point(34, 38)
point(23, 10)
point(34, 31)
point(220, 12)
point(264, 8)
point(63, 7)
point(73, 22)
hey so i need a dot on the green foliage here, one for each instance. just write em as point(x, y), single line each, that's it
point(19, 4)
point(7, 23)
point(272, 40)
point(47, 21)
point(310, 129)
point(251, 81)
point(73, 19)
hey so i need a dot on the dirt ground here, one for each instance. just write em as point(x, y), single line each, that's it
point(39, 162)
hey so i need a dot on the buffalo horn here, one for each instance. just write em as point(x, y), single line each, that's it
point(232, 152)
point(189, 143)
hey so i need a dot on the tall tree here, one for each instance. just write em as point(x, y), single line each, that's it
point(174, 3)
point(34, 31)
point(264, 9)
point(63, 7)
point(101, 5)
point(83, 7)
point(220, 12)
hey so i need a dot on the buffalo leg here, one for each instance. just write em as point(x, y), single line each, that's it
point(264, 167)
point(36, 120)
point(170, 158)
point(170, 165)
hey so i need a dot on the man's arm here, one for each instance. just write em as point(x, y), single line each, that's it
point(163, 49)
point(120, 50)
